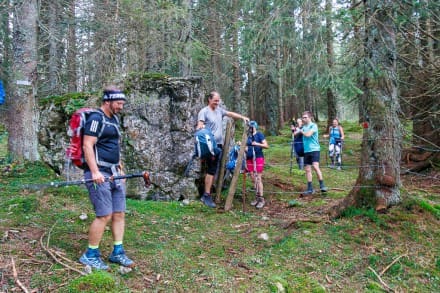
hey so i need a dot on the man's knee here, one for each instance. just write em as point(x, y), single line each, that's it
point(118, 216)
point(105, 218)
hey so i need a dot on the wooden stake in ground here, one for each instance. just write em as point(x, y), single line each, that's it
point(221, 174)
point(243, 190)
point(233, 186)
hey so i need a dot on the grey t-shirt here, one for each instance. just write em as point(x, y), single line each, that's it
point(213, 120)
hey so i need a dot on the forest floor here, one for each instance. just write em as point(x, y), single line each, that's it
point(290, 245)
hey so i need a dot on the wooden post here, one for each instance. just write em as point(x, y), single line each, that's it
point(233, 186)
point(221, 174)
point(243, 191)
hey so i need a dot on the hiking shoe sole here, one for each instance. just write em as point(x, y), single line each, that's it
point(94, 262)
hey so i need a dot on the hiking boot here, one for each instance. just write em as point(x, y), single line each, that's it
point(122, 259)
point(94, 262)
point(207, 200)
point(261, 203)
point(256, 200)
point(339, 168)
point(307, 193)
point(323, 189)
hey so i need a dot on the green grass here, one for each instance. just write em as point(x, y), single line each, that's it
point(191, 248)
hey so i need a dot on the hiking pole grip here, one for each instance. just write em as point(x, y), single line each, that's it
point(145, 175)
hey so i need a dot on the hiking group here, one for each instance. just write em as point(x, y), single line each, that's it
point(306, 148)
point(95, 147)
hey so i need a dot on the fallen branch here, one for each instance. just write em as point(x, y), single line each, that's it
point(14, 272)
point(56, 259)
point(380, 280)
point(337, 189)
point(391, 264)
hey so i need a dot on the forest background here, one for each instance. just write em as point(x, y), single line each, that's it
point(374, 62)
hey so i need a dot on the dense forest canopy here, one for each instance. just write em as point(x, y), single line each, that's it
point(285, 55)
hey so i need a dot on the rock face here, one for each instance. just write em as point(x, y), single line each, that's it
point(158, 123)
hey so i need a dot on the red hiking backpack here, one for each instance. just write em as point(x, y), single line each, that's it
point(75, 131)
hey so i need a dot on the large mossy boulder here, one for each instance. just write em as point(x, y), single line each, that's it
point(158, 122)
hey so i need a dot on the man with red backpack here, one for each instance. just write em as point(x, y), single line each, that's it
point(101, 147)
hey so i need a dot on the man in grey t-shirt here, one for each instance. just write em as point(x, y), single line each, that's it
point(211, 117)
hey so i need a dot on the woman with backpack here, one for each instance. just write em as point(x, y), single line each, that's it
point(256, 142)
point(336, 134)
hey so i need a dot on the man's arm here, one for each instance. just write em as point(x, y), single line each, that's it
point(310, 132)
point(89, 155)
point(237, 116)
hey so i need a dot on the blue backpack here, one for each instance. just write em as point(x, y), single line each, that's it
point(233, 156)
point(205, 146)
point(2, 93)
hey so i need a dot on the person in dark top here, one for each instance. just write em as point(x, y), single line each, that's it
point(255, 144)
point(101, 146)
point(298, 144)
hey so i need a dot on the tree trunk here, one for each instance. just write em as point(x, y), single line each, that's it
point(5, 52)
point(71, 49)
point(53, 48)
point(251, 91)
point(331, 99)
point(236, 62)
point(378, 181)
point(23, 114)
point(214, 45)
point(280, 87)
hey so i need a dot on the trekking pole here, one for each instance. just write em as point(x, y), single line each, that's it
point(256, 185)
point(188, 167)
point(145, 175)
point(340, 153)
point(292, 151)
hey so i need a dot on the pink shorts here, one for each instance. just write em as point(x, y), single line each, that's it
point(259, 162)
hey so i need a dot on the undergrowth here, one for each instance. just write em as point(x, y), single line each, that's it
point(290, 246)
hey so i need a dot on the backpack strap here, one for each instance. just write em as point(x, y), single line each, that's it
point(104, 122)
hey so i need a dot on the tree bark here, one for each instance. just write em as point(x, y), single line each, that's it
point(331, 99)
point(378, 181)
point(71, 49)
point(23, 114)
point(53, 58)
point(236, 61)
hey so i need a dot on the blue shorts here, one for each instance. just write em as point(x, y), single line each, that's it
point(108, 197)
point(312, 157)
